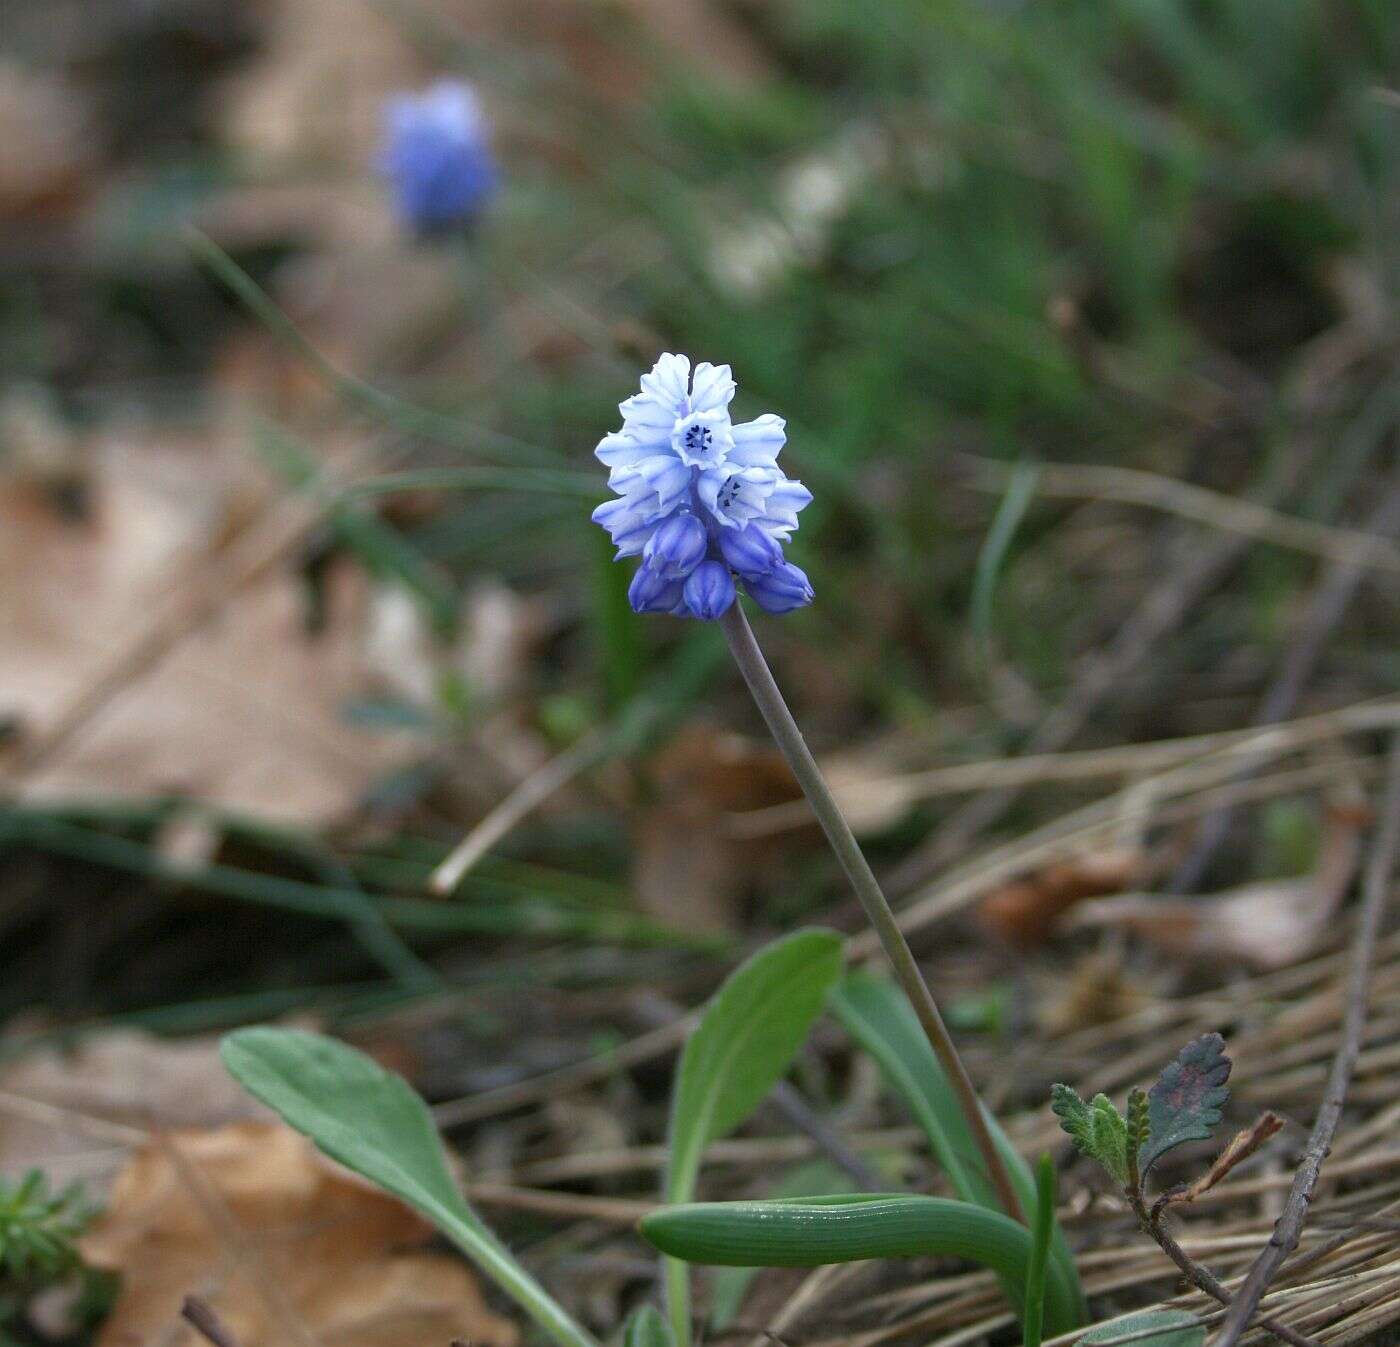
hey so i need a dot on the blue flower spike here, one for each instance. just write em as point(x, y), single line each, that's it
point(436, 157)
point(700, 499)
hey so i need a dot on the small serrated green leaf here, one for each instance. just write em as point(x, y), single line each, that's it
point(1097, 1128)
point(1186, 1102)
point(1139, 1125)
point(1073, 1114)
point(1110, 1137)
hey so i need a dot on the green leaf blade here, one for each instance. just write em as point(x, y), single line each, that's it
point(367, 1118)
point(372, 1121)
point(752, 1028)
point(815, 1178)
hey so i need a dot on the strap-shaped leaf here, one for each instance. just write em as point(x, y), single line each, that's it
point(808, 1232)
point(371, 1121)
point(745, 1041)
point(747, 1037)
point(1186, 1102)
point(728, 1286)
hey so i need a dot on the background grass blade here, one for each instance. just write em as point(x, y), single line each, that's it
point(371, 1121)
point(646, 1328)
point(750, 1032)
point(876, 1015)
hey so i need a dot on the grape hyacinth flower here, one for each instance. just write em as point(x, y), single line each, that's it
point(436, 157)
point(704, 504)
point(700, 499)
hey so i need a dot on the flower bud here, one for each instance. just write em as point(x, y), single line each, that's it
point(750, 551)
point(784, 588)
point(677, 546)
point(652, 593)
point(709, 591)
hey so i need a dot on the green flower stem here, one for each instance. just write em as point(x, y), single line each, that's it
point(788, 737)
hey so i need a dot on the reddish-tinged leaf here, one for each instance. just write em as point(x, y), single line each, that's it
point(1185, 1103)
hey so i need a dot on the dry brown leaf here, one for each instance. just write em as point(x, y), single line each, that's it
point(685, 870)
point(246, 712)
point(283, 1246)
point(47, 143)
point(1269, 924)
point(1024, 912)
point(1241, 1146)
point(315, 94)
point(122, 1076)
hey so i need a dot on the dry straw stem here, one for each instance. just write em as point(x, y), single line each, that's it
point(1376, 891)
point(1131, 486)
point(1137, 802)
point(1122, 760)
point(1329, 602)
point(1060, 837)
point(532, 792)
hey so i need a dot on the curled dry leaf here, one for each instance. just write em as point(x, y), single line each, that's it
point(283, 1247)
point(1269, 924)
point(1242, 1145)
point(1024, 912)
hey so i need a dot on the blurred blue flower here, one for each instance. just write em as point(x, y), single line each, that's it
point(700, 498)
point(436, 157)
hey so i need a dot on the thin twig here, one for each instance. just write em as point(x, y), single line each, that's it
point(1289, 1226)
point(788, 1100)
point(793, 746)
point(532, 792)
point(1199, 1277)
